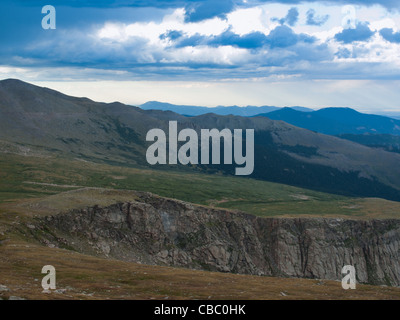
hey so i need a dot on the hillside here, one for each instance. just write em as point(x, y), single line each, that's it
point(386, 142)
point(41, 120)
point(32, 184)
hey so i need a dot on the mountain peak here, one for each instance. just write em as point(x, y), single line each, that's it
point(338, 112)
point(14, 82)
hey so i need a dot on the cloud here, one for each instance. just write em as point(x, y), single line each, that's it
point(389, 35)
point(192, 41)
point(280, 37)
point(344, 53)
point(252, 40)
point(313, 20)
point(361, 33)
point(171, 35)
point(208, 9)
point(291, 18)
point(283, 36)
point(390, 4)
point(182, 3)
point(142, 43)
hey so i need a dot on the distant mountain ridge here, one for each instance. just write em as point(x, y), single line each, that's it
point(337, 121)
point(51, 123)
point(332, 121)
point(220, 110)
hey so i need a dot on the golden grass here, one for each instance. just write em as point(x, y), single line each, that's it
point(87, 277)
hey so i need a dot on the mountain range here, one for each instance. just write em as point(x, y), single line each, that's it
point(332, 121)
point(221, 110)
point(36, 120)
point(336, 121)
point(376, 131)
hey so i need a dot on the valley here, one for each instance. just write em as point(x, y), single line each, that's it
point(63, 156)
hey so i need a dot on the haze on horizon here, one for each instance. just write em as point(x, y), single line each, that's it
point(207, 53)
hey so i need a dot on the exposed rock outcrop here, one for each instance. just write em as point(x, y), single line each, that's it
point(155, 230)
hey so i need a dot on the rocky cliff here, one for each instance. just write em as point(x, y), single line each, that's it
point(155, 230)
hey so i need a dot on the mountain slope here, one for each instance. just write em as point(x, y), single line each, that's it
point(386, 142)
point(35, 116)
point(42, 119)
point(335, 121)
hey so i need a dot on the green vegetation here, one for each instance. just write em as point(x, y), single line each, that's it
point(47, 185)
point(34, 177)
point(386, 142)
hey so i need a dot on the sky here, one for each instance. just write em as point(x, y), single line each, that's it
point(209, 52)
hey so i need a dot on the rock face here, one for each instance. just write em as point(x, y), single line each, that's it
point(155, 230)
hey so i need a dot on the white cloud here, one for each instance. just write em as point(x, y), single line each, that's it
point(224, 55)
point(244, 21)
point(152, 30)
